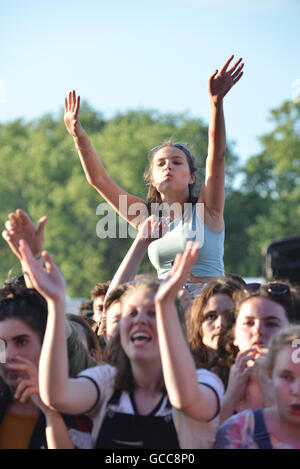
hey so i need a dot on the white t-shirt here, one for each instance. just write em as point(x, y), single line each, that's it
point(191, 433)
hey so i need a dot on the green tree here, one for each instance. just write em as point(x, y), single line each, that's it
point(268, 200)
point(41, 174)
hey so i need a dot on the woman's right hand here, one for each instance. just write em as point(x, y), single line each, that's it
point(72, 106)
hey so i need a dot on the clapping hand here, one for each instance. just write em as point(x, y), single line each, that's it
point(20, 226)
point(220, 82)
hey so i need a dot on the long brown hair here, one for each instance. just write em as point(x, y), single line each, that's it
point(115, 354)
point(195, 318)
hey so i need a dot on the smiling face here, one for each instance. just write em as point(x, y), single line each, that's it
point(22, 341)
point(138, 327)
point(258, 320)
point(171, 171)
point(286, 384)
point(215, 317)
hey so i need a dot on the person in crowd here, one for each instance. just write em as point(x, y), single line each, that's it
point(143, 400)
point(20, 226)
point(112, 312)
point(26, 422)
point(171, 178)
point(211, 310)
point(86, 309)
point(87, 335)
point(278, 426)
point(98, 296)
point(260, 313)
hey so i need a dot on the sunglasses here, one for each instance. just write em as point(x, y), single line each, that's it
point(274, 288)
point(175, 144)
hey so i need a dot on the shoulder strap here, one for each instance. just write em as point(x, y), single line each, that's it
point(261, 434)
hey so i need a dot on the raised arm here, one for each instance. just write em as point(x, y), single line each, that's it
point(219, 84)
point(152, 228)
point(20, 226)
point(195, 400)
point(94, 170)
point(70, 396)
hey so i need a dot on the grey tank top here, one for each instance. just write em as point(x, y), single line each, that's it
point(190, 226)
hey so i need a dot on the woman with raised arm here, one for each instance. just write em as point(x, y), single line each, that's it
point(142, 399)
point(171, 179)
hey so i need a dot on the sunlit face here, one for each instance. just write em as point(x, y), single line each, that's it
point(286, 384)
point(113, 316)
point(258, 320)
point(138, 327)
point(215, 317)
point(170, 170)
point(22, 341)
point(98, 307)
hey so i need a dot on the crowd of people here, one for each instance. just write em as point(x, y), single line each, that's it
point(193, 358)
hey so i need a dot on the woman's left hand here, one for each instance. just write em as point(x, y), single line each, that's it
point(220, 82)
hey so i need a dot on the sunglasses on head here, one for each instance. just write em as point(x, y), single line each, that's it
point(175, 144)
point(274, 288)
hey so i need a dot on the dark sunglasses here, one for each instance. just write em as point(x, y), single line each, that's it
point(175, 144)
point(274, 288)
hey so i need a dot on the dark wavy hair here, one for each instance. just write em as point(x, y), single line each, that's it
point(27, 305)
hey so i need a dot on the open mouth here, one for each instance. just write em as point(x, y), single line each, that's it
point(295, 409)
point(140, 338)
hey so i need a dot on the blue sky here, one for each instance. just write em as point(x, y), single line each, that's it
point(150, 54)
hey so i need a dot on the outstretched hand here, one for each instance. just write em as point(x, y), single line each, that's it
point(179, 273)
point(220, 82)
point(48, 280)
point(20, 226)
point(71, 116)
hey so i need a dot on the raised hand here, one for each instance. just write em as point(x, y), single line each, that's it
point(179, 273)
point(48, 280)
point(220, 82)
point(20, 226)
point(153, 228)
point(72, 106)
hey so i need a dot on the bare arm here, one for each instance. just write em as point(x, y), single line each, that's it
point(196, 401)
point(151, 229)
point(70, 396)
point(20, 226)
point(93, 168)
point(219, 84)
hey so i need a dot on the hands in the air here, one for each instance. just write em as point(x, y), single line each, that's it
point(178, 274)
point(220, 82)
point(48, 280)
point(72, 106)
point(20, 226)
